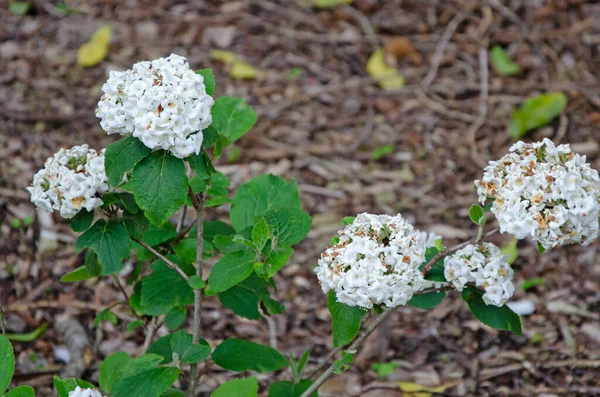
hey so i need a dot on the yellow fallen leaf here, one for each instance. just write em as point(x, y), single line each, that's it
point(226, 57)
point(387, 77)
point(94, 51)
point(411, 389)
point(243, 70)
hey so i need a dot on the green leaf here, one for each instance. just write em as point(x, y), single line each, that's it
point(261, 194)
point(7, 363)
point(135, 224)
point(232, 269)
point(260, 233)
point(276, 260)
point(329, 3)
point(536, 112)
point(477, 214)
point(502, 62)
point(82, 221)
point(21, 391)
point(165, 287)
point(122, 156)
point(134, 324)
point(110, 241)
point(175, 317)
point(243, 355)
point(384, 369)
point(92, 264)
point(197, 283)
point(79, 274)
point(29, 336)
point(343, 363)
point(211, 136)
point(541, 248)
point(111, 370)
point(345, 320)
point(173, 393)
point(437, 271)
point(160, 186)
point(511, 251)
point(244, 387)
point(232, 117)
point(158, 235)
point(188, 352)
point(382, 151)
point(243, 299)
point(289, 225)
point(64, 386)
point(225, 244)
point(19, 8)
point(427, 301)
point(289, 389)
point(501, 318)
point(209, 80)
point(143, 377)
point(105, 315)
point(162, 347)
point(533, 282)
point(348, 220)
point(201, 165)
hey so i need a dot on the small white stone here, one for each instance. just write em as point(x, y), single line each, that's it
point(523, 307)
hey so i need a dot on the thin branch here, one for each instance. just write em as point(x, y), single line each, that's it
point(164, 259)
point(185, 231)
point(181, 219)
point(150, 331)
point(198, 201)
point(2, 327)
point(118, 282)
point(440, 255)
point(329, 371)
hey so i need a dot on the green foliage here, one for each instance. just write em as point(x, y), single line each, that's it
point(105, 315)
point(20, 8)
point(533, 282)
point(144, 377)
point(427, 301)
point(175, 318)
point(502, 62)
point(243, 387)
point(500, 318)
point(134, 324)
point(122, 156)
point(384, 369)
point(232, 118)
point(437, 271)
point(343, 363)
point(540, 248)
point(289, 225)
point(82, 221)
point(29, 336)
point(209, 80)
point(110, 241)
point(7, 363)
point(261, 234)
point(243, 355)
point(298, 367)
point(291, 389)
point(64, 386)
point(348, 220)
point(164, 288)
point(345, 320)
point(188, 352)
point(197, 282)
point(79, 274)
point(382, 151)
point(244, 298)
point(21, 391)
point(160, 186)
point(111, 370)
point(536, 112)
point(232, 269)
point(477, 214)
point(329, 3)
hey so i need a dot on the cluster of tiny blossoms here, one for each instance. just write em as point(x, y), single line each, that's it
point(376, 261)
point(71, 180)
point(79, 392)
point(543, 191)
point(162, 102)
point(484, 266)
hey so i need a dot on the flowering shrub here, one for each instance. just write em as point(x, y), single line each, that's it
point(122, 200)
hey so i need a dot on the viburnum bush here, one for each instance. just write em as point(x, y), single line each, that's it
point(122, 200)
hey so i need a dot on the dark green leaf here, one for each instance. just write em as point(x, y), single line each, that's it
point(225, 244)
point(243, 387)
point(197, 283)
point(476, 214)
point(134, 324)
point(82, 221)
point(79, 274)
point(175, 317)
point(502, 62)
point(209, 80)
point(232, 117)
point(201, 165)
point(260, 233)
point(122, 156)
point(110, 241)
point(289, 389)
point(165, 286)
point(345, 320)
point(21, 391)
point(143, 377)
point(111, 370)
point(501, 318)
point(64, 386)
point(136, 224)
point(162, 347)
point(92, 264)
point(541, 248)
point(243, 299)
point(243, 355)
point(188, 352)
point(232, 269)
point(536, 112)
point(276, 260)
point(261, 194)
point(427, 301)
point(7, 363)
point(210, 136)
point(158, 235)
point(289, 225)
point(160, 186)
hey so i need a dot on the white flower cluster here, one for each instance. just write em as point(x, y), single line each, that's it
point(376, 261)
point(544, 191)
point(484, 266)
point(428, 239)
point(162, 102)
point(70, 180)
point(79, 392)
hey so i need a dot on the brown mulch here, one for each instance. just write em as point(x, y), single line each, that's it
point(320, 118)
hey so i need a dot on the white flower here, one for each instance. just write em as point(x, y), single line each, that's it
point(70, 181)
point(162, 102)
point(483, 266)
point(376, 261)
point(543, 191)
point(79, 392)
point(428, 239)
